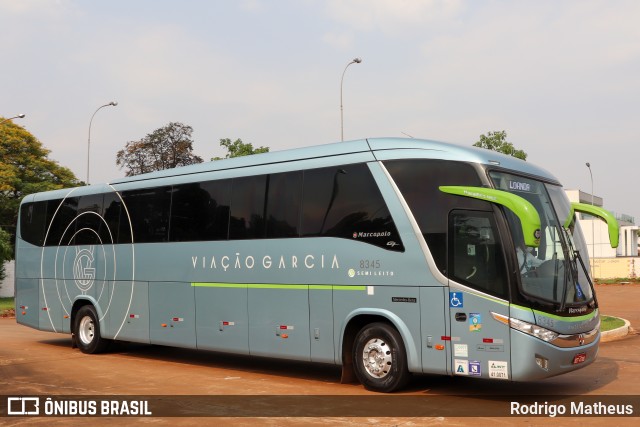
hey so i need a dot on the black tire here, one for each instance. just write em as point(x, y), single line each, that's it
point(87, 331)
point(380, 359)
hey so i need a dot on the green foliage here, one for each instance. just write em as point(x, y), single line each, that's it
point(25, 168)
point(608, 323)
point(165, 148)
point(617, 280)
point(238, 148)
point(497, 141)
point(7, 304)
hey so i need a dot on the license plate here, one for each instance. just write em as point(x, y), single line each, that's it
point(579, 358)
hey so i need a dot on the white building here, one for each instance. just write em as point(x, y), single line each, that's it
point(596, 232)
point(7, 285)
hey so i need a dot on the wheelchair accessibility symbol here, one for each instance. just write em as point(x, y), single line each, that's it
point(456, 299)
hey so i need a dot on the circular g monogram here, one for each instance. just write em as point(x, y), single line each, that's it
point(84, 272)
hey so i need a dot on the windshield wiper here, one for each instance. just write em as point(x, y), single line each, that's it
point(554, 258)
point(574, 271)
point(567, 278)
point(586, 273)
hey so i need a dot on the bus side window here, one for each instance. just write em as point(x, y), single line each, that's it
point(89, 225)
point(149, 212)
point(419, 180)
point(247, 207)
point(284, 198)
point(345, 202)
point(61, 221)
point(33, 218)
point(200, 211)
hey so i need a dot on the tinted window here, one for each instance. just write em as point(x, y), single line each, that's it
point(149, 211)
point(419, 182)
point(335, 202)
point(200, 211)
point(346, 202)
point(116, 219)
point(61, 216)
point(248, 207)
point(89, 226)
point(283, 204)
point(475, 256)
point(33, 218)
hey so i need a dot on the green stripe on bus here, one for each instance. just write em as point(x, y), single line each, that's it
point(277, 286)
point(541, 313)
point(321, 287)
point(589, 316)
point(348, 288)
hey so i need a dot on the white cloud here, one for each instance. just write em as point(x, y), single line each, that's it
point(342, 41)
point(30, 6)
point(559, 77)
point(252, 5)
point(392, 15)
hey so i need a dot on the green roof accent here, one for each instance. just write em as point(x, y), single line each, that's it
point(528, 215)
point(603, 214)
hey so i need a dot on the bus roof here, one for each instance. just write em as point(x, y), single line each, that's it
point(378, 148)
point(382, 148)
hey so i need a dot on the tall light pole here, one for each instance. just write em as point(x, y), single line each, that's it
point(593, 233)
point(19, 116)
point(354, 61)
point(112, 103)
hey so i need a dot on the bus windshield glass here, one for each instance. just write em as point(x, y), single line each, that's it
point(553, 272)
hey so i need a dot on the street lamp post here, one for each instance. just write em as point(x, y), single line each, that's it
point(354, 61)
point(19, 116)
point(593, 233)
point(112, 103)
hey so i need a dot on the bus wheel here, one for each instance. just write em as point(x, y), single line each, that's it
point(87, 331)
point(380, 358)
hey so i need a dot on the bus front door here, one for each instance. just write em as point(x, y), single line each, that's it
point(479, 344)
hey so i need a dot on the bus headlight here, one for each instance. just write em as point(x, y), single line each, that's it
point(534, 330)
point(526, 327)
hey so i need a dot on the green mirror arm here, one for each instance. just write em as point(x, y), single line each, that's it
point(603, 214)
point(528, 215)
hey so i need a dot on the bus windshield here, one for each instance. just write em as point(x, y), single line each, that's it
point(553, 272)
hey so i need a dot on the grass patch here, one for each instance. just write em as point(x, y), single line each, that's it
point(7, 303)
point(617, 280)
point(608, 323)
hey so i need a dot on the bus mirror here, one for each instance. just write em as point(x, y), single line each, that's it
point(603, 214)
point(525, 211)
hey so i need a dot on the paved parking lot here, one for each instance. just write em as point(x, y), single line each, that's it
point(42, 363)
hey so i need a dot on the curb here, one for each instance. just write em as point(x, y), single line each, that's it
point(617, 333)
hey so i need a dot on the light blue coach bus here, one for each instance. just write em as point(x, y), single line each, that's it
point(388, 257)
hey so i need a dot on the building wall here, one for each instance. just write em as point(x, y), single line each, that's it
point(8, 284)
point(596, 233)
point(628, 241)
point(611, 268)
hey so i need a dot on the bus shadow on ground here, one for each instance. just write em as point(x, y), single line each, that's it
point(236, 362)
point(584, 381)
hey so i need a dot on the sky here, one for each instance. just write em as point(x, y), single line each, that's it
point(562, 78)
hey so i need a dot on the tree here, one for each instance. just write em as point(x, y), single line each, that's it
point(25, 169)
point(497, 141)
point(238, 148)
point(165, 148)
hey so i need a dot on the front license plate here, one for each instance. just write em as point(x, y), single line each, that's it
point(579, 358)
